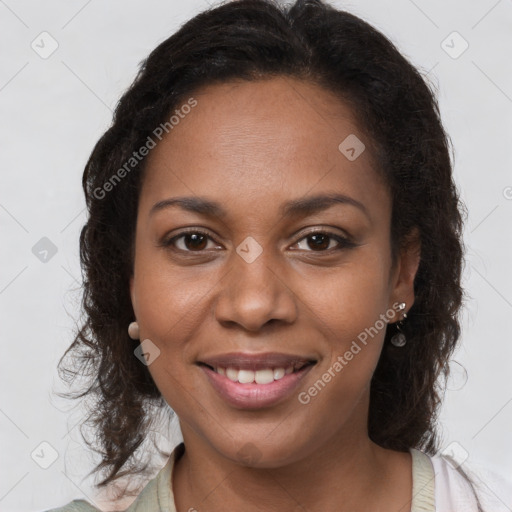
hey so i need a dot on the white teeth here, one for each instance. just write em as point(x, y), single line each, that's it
point(232, 374)
point(265, 376)
point(279, 373)
point(245, 376)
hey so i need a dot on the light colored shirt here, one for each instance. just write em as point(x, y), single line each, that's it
point(437, 487)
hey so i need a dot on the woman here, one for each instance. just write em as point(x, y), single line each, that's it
point(273, 220)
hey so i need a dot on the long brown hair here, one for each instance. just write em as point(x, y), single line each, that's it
point(397, 108)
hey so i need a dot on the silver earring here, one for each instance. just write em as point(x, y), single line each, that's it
point(399, 339)
point(133, 331)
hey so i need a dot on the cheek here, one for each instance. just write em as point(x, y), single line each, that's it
point(349, 308)
point(167, 310)
point(172, 305)
point(167, 297)
point(347, 299)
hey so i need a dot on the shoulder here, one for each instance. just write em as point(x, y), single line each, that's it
point(463, 487)
point(453, 491)
point(148, 499)
point(156, 495)
point(76, 506)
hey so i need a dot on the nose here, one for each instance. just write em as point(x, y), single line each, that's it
point(254, 294)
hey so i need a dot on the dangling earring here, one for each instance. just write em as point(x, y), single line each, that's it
point(133, 331)
point(399, 339)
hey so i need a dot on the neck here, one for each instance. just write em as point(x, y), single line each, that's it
point(346, 473)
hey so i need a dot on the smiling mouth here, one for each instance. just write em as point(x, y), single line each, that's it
point(250, 381)
point(258, 376)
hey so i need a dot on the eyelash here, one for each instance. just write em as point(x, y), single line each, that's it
point(343, 243)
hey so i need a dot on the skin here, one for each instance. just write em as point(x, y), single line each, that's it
point(252, 146)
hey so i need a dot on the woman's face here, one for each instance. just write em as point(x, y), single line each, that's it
point(256, 289)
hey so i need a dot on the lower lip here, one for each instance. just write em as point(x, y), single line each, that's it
point(255, 396)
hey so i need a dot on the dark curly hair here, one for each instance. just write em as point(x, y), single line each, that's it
point(398, 112)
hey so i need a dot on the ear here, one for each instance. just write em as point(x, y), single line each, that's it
point(402, 284)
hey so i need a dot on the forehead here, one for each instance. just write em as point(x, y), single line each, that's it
point(266, 139)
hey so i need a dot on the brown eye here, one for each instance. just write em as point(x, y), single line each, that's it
point(195, 241)
point(323, 241)
point(318, 241)
point(190, 241)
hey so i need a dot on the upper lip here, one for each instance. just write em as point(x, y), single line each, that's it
point(257, 361)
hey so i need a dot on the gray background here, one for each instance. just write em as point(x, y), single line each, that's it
point(54, 109)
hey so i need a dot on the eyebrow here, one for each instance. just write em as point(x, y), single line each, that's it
point(297, 207)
